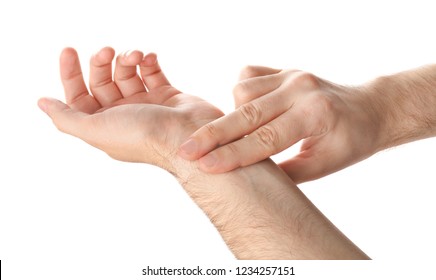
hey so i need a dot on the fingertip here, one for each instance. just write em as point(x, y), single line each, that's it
point(69, 63)
point(189, 149)
point(209, 163)
point(49, 105)
point(103, 56)
point(149, 60)
point(68, 51)
point(46, 102)
point(151, 72)
point(108, 50)
point(42, 104)
point(68, 56)
point(131, 57)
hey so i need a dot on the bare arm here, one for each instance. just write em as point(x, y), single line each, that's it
point(339, 125)
point(405, 104)
point(258, 210)
point(262, 214)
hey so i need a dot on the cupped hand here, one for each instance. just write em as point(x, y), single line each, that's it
point(131, 116)
point(275, 110)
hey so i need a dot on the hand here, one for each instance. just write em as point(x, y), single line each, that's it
point(143, 118)
point(131, 117)
point(275, 110)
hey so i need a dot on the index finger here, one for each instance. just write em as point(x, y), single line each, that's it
point(76, 92)
point(236, 125)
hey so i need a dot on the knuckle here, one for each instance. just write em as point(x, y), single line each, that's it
point(240, 90)
point(318, 112)
point(125, 76)
point(232, 149)
point(248, 71)
point(251, 114)
point(325, 102)
point(211, 130)
point(320, 103)
point(60, 126)
point(94, 85)
point(305, 80)
point(268, 138)
point(234, 160)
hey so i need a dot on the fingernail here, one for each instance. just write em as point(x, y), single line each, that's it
point(150, 59)
point(189, 147)
point(128, 53)
point(208, 160)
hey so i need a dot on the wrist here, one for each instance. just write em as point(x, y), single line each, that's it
point(405, 104)
point(261, 214)
point(258, 210)
point(369, 108)
point(243, 207)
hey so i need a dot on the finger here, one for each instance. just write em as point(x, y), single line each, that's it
point(65, 118)
point(237, 124)
point(102, 86)
point(76, 93)
point(251, 71)
point(126, 77)
point(250, 89)
point(301, 169)
point(267, 140)
point(319, 156)
point(151, 72)
point(309, 165)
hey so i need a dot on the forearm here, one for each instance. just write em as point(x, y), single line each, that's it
point(406, 105)
point(261, 214)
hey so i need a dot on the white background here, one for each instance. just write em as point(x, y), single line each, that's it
point(67, 211)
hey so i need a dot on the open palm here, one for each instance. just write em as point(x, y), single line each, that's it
point(131, 116)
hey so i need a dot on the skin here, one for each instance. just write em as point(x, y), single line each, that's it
point(339, 125)
point(139, 117)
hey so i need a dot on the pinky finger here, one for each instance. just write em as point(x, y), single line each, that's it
point(151, 73)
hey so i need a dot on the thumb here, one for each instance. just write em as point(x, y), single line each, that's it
point(300, 169)
point(305, 167)
point(50, 105)
point(64, 118)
